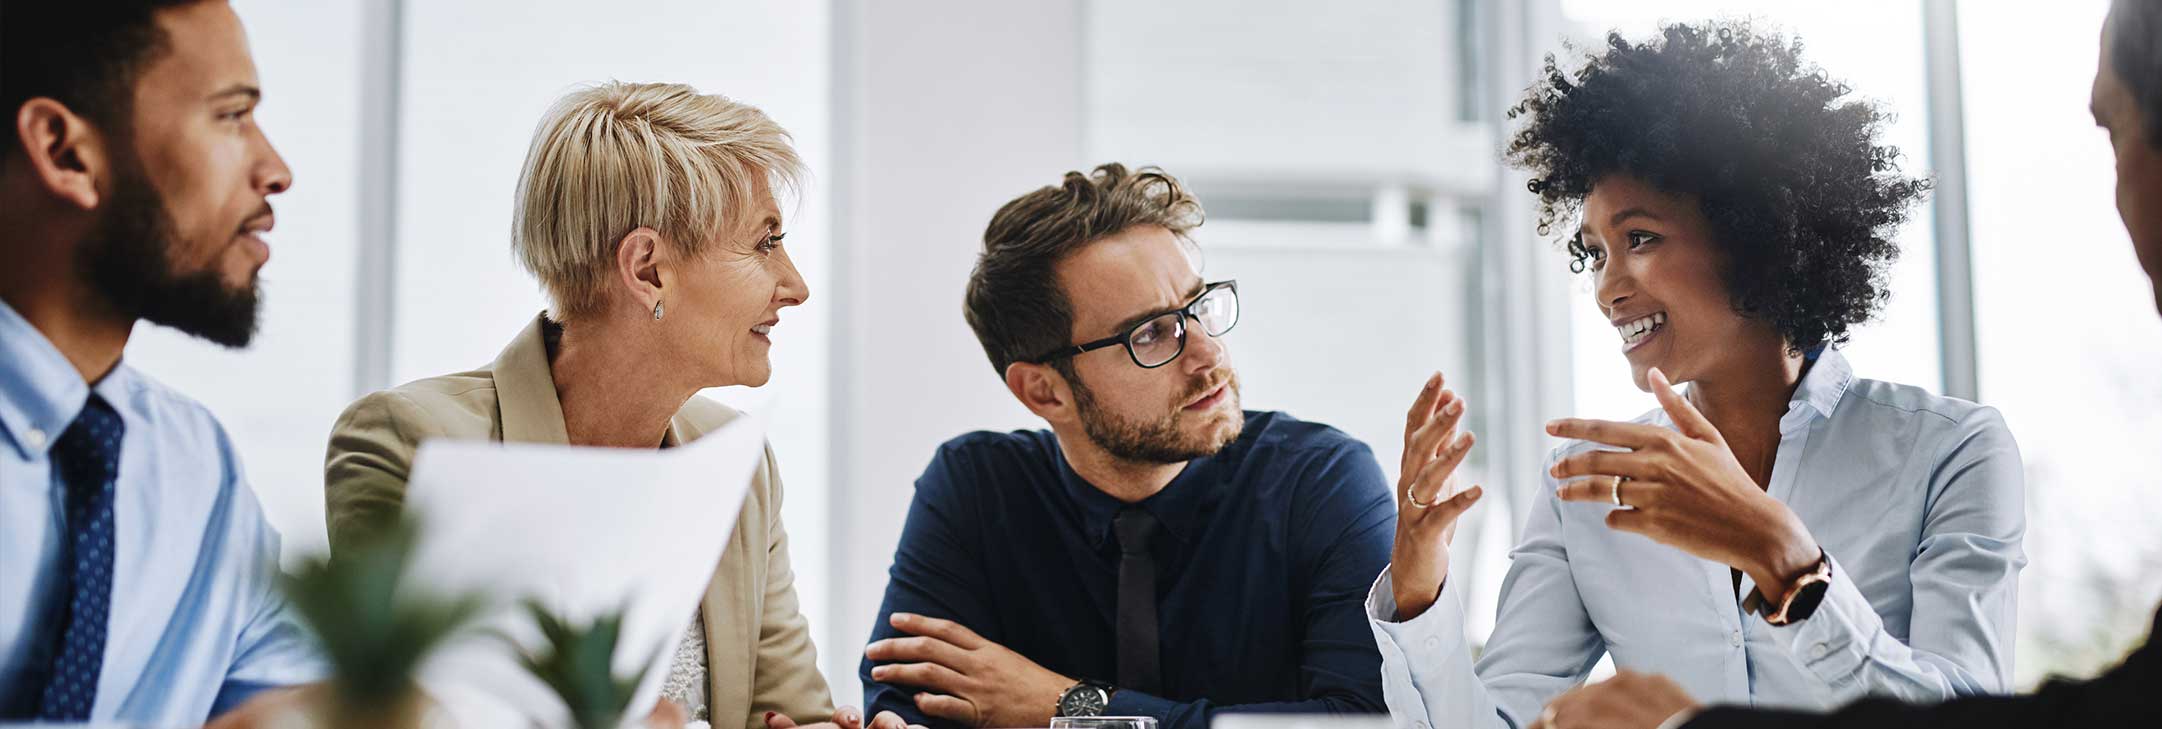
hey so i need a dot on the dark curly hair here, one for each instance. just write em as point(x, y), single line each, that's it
point(1801, 196)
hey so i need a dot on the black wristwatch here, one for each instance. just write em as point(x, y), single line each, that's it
point(1087, 698)
point(1801, 599)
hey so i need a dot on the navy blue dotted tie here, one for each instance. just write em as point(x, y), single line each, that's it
point(88, 457)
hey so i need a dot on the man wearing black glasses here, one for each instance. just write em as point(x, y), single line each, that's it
point(1157, 552)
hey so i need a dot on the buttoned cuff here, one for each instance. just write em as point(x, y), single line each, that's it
point(1430, 635)
point(1834, 642)
point(1128, 702)
point(1422, 659)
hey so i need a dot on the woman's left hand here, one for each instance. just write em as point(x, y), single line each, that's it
point(1684, 488)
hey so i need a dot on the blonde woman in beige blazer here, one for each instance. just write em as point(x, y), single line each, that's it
point(647, 212)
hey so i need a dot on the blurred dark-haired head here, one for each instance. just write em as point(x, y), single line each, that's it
point(2127, 101)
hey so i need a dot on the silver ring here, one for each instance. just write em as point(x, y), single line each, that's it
point(1617, 491)
point(1410, 497)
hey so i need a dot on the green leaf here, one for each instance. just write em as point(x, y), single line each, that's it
point(374, 634)
point(577, 663)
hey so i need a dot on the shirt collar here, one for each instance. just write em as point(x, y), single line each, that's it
point(1822, 387)
point(1178, 507)
point(40, 391)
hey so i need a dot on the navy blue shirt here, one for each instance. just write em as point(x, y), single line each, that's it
point(1263, 562)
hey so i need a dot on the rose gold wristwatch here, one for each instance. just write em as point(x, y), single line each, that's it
point(1802, 596)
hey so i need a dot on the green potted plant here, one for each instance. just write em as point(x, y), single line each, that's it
point(577, 662)
point(373, 634)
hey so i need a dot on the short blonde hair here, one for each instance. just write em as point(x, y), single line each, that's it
point(608, 159)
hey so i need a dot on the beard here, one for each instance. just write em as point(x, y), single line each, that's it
point(127, 261)
point(1157, 440)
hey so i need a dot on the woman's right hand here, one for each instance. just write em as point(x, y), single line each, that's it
point(1427, 500)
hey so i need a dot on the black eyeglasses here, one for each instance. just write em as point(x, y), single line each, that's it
point(1161, 338)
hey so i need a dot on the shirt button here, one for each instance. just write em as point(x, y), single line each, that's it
point(1818, 651)
point(35, 439)
point(1735, 639)
point(1433, 645)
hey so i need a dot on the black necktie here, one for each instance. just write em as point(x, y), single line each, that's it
point(87, 456)
point(1138, 650)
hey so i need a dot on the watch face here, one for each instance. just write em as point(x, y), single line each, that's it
point(1083, 700)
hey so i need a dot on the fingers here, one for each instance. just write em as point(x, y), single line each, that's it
point(1685, 416)
point(889, 720)
point(1425, 444)
point(1432, 477)
point(1422, 406)
point(945, 630)
point(947, 707)
point(1630, 520)
point(922, 675)
point(847, 717)
point(916, 649)
point(1634, 436)
point(1588, 490)
point(777, 720)
point(1634, 464)
point(1447, 511)
point(668, 714)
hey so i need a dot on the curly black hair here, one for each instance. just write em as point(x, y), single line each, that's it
point(1801, 196)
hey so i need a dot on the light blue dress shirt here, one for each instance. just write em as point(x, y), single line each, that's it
point(196, 622)
point(1917, 499)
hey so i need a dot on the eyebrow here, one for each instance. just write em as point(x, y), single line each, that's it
point(241, 89)
point(1134, 321)
point(1632, 213)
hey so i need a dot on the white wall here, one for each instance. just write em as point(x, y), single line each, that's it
point(278, 397)
point(943, 116)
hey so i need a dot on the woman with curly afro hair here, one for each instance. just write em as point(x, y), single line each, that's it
point(1783, 533)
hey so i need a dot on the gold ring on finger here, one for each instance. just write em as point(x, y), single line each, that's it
point(1411, 496)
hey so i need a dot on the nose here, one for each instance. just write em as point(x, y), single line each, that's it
point(1612, 286)
point(792, 289)
point(1203, 352)
point(271, 175)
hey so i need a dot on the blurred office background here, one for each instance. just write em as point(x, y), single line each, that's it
point(1348, 155)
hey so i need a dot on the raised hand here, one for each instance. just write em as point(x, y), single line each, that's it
point(1427, 499)
point(1684, 488)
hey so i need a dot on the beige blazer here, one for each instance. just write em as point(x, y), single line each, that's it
point(758, 646)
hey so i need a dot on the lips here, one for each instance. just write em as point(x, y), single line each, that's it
point(1635, 330)
point(1210, 398)
point(251, 232)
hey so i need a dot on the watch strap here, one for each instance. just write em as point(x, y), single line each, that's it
point(1084, 684)
point(1800, 598)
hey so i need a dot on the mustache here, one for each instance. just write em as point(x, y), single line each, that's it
point(1208, 383)
point(262, 213)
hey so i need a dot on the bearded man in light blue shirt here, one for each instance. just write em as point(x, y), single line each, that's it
point(137, 572)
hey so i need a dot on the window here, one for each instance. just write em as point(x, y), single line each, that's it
point(2067, 334)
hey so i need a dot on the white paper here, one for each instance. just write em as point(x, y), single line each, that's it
point(585, 531)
